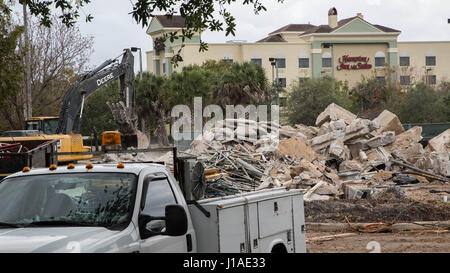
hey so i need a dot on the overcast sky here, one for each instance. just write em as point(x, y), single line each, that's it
point(419, 20)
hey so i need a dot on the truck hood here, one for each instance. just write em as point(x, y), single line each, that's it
point(57, 239)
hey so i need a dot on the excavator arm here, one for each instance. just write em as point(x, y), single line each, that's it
point(73, 100)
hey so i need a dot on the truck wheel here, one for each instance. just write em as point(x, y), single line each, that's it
point(280, 248)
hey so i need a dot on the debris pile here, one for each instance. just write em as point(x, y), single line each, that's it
point(343, 156)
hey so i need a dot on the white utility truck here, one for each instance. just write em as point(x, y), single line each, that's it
point(139, 207)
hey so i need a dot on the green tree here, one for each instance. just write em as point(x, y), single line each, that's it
point(308, 98)
point(419, 105)
point(10, 63)
point(157, 95)
point(372, 96)
point(97, 116)
point(238, 83)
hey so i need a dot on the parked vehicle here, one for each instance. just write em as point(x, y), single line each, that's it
point(34, 154)
point(139, 207)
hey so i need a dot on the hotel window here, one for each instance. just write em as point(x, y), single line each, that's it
point(227, 58)
point(282, 82)
point(381, 79)
point(281, 62)
point(405, 80)
point(430, 59)
point(302, 79)
point(164, 68)
point(404, 61)
point(380, 59)
point(303, 61)
point(257, 61)
point(326, 60)
point(431, 79)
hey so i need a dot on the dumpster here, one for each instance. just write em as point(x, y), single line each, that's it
point(14, 156)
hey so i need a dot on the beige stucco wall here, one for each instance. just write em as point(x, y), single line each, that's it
point(417, 52)
point(355, 50)
point(291, 51)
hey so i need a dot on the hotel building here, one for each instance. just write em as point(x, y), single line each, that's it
point(348, 49)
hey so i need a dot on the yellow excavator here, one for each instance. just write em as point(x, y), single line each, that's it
point(61, 127)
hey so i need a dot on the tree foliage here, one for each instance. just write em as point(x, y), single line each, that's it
point(214, 82)
point(421, 104)
point(308, 98)
point(10, 61)
point(59, 56)
point(97, 116)
point(237, 83)
point(372, 95)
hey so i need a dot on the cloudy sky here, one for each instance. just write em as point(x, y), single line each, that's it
point(419, 20)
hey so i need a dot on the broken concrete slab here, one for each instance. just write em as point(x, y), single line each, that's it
point(362, 156)
point(334, 112)
point(350, 166)
point(440, 143)
point(327, 189)
point(383, 139)
point(438, 163)
point(323, 141)
point(337, 150)
point(405, 139)
point(388, 122)
point(411, 154)
point(359, 128)
point(306, 167)
point(307, 131)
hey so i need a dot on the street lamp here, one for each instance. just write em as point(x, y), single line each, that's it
point(274, 63)
point(134, 49)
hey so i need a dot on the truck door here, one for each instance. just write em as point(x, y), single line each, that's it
point(158, 195)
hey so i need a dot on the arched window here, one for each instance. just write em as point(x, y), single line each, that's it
point(430, 59)
point(326, 59)
point(404, 59)
point(303, 60)
point(380, 59)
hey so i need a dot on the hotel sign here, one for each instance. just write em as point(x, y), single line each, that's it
point(353, 63)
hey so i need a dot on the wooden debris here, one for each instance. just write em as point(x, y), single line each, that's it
point(330, 237)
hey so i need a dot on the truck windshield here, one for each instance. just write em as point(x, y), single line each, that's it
point(81, 199)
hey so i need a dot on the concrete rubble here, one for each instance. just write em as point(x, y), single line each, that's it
point(342, 157)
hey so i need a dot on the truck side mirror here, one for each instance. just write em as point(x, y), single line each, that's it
point(176, 222)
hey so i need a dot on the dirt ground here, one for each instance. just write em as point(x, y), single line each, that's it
point(416, 204)
point(382, 243)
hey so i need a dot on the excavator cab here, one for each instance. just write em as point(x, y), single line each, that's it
point(45, 125)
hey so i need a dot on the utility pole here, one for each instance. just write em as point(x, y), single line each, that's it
point(28, 108)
